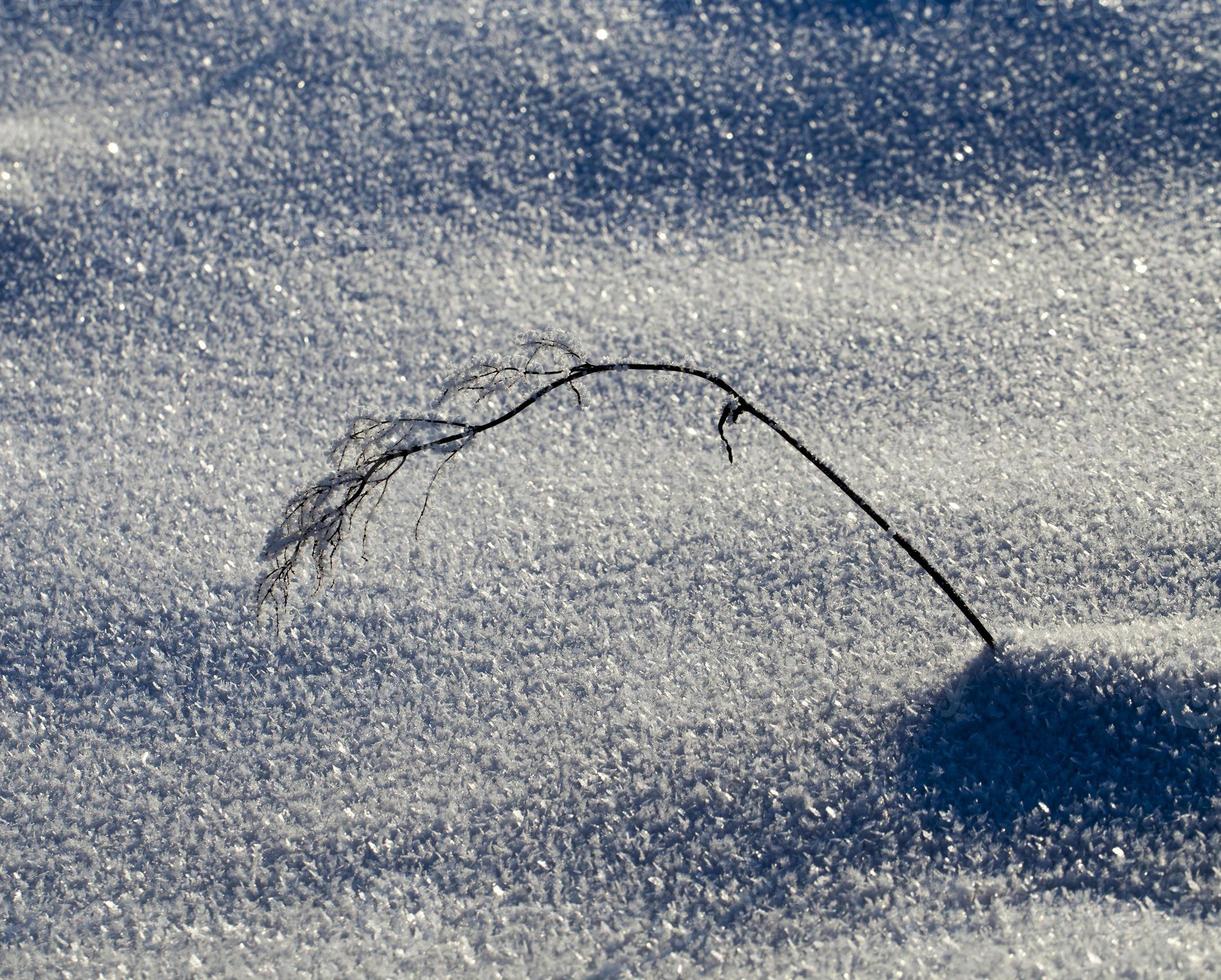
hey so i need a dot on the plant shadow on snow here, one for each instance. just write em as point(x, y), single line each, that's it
point(1011, 771)
point(1083, 780)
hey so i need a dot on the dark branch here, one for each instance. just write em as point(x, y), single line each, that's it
point(317, 521)
point(729, 415)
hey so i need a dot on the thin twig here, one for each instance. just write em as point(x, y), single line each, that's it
point(431, 483)
point(314, 525)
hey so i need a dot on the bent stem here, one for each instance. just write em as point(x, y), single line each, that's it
point(315, 524)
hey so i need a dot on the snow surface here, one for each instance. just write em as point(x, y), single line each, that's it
point(622, 709)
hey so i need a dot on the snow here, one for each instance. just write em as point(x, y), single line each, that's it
point(622, 708)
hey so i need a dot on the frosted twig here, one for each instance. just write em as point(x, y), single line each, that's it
point(317, 521)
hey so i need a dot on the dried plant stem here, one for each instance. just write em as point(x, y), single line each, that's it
point(315, 525)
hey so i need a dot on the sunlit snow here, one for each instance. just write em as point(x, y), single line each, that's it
point(621, 708)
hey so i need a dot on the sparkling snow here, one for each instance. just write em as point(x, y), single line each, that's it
point(622, 709)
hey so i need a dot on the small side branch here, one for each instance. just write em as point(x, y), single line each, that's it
point(729, 415)
point(428, 490)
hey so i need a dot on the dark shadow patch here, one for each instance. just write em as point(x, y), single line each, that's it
point(804, 12)
point(51, 260)
point(22, 258)
point(1081, 778)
